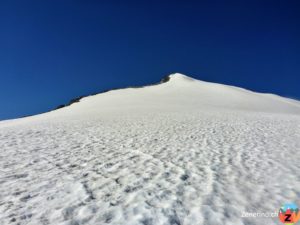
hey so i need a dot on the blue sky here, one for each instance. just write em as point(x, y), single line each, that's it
point(52, 51)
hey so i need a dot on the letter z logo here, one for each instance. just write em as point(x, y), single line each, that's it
point(287, 218)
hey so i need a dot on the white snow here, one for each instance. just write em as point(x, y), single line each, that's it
point(181, 152)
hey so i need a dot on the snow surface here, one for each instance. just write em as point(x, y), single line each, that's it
point(181, 152)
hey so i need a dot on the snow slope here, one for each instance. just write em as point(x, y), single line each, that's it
point(180, 152)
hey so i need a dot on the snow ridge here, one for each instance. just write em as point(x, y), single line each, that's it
point(183, 152)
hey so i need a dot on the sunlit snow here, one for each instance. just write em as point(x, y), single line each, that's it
point(183, 152)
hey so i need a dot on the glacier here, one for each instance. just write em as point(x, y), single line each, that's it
point(182, 152)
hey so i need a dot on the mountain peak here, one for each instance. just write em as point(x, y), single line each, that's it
point(178, 91)
point(180, 76)
point(176, 77)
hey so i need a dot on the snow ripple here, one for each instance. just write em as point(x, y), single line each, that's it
point(169, 168)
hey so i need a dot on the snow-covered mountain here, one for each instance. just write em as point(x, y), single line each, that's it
point(180, 91)
point(180, 152)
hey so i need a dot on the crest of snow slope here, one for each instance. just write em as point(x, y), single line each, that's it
point(182, 152)
point(184, 93)
point(179, 93)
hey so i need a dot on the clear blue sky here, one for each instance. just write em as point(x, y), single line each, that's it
point(52, 51)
